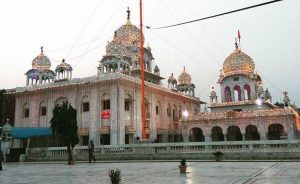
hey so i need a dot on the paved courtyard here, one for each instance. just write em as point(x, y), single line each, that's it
point(154, 172)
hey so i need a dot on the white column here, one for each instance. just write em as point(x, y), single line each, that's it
point(121, 114)
point(137, 114)
point(290, 130)
point(27, 80)
point(114, 115)
point(94, 126)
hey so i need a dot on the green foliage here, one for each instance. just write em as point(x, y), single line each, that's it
point(218, 154)
point(64, 124)
point(115, 176)
point(183, 162)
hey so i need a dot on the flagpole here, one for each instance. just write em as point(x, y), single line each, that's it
point(144, 136)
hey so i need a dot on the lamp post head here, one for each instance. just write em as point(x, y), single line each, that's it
point(185, 113)
point(258, 102)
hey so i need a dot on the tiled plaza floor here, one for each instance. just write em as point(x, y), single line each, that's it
point(154, 172)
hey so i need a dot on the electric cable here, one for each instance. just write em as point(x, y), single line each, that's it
point(217, 15)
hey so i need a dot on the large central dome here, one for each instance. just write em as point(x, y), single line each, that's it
point(126, 39)
point(238, 63)
point(127, 35)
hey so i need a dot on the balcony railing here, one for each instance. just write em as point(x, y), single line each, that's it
point(271, 146)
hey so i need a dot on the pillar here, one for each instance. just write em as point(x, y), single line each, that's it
point(262, 128)
point(290, 132)
point(27, 80)
point(94, 116)
point(40, 79)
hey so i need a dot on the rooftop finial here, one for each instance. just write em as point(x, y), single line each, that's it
point(184, 68)
point(236, 44)
point(128, 13)
point(63, 60)
point(42, 49)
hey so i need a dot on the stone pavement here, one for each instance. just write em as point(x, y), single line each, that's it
point(154, 172)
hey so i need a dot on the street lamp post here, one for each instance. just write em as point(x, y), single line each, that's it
point(0, 138)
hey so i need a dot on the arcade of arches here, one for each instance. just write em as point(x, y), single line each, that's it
point(275, 132)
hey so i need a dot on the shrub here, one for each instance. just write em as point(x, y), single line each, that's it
point(115, 176)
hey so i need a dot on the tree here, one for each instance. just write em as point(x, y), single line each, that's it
point(64, 125)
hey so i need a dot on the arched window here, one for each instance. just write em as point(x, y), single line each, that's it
point(128, 103)
point(43, 109)
point(169, 110)
point(85, 105)
point(227, 93)
point(237, 93)
point(174, 113)
point(247, 91)
point(105, 102)
point(25, 110)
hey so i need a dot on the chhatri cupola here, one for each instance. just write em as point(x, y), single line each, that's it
point(185, 84)
point(40, 72)
point(237, 79)
point(63, 71)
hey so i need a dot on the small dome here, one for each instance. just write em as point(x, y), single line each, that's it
point(64, 66)
point(238, 63)
point(184, 78)
point(41, 62)
point(213, 92)
point(172, 79)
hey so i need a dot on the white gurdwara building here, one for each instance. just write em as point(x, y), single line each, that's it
point(109, 104)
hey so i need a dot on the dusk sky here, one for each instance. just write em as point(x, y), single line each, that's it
point(79, 30)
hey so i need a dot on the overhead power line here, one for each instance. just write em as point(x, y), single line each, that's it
point(218, 15)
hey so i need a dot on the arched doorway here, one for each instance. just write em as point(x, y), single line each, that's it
point(217, 134)
point(234, 133)
point(275, 131)
point(196, 135)
point(251, 133)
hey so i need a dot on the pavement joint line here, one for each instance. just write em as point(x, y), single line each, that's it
point(264, 170)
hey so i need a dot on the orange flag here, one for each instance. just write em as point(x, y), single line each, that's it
point(239, 35)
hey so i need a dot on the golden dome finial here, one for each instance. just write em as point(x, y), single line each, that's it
point(42, 50)
point(128, 13)
point(128, 16)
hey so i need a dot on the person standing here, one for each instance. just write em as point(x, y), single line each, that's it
point(1, 159)
point(91, 152)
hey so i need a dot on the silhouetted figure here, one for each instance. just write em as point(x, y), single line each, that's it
point(1, 159)
point(91, 152)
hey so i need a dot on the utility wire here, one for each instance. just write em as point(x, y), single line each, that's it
point(84, 27)
point(108, 21)
point(190, 34)
point(79, 45)
point(218, 15)
point(205, 30)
